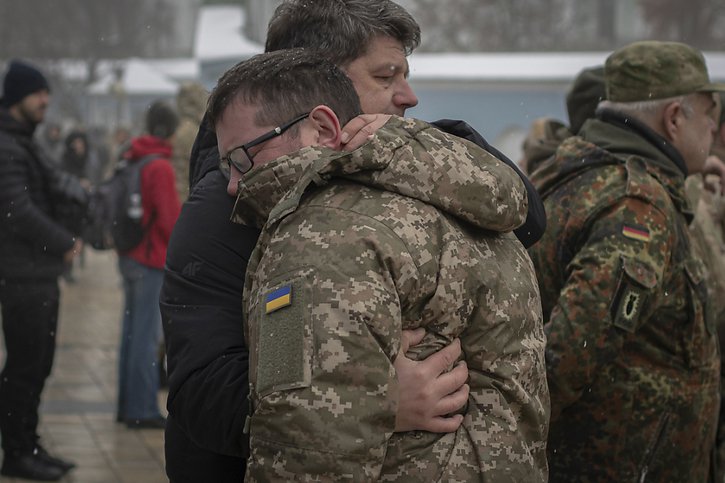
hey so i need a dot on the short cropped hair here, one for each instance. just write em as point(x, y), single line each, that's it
point(285, 84)
point(644, 110)
point(340, 29)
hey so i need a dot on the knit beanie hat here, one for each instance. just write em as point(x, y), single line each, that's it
point(161, 120)
point(21, 80)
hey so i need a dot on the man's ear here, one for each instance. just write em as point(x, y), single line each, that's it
point(325, 122)
point(672, 117)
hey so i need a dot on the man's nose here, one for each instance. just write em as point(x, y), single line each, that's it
point(233, 185)
point(405, 97)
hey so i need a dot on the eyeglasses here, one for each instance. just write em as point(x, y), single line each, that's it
point(240, 158)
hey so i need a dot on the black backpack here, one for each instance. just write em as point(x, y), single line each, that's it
point(115, 211)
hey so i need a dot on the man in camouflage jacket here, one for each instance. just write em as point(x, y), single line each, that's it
point(411, 230)
point(632, 354)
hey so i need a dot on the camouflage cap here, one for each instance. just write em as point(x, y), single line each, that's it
point(584, 96)
point(650, 70)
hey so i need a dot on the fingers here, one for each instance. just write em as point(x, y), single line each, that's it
point(443, 424)
point(410, 338)
point(450, 382)
point(428, 389)
point(452, 402)
point(439, 362)
point(438, 422)
point(359, 130)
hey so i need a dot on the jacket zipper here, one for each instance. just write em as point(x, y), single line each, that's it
point(652, 448)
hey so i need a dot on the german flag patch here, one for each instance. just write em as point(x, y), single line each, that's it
point(636, 232)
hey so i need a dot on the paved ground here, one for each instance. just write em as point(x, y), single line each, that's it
point(78, 409)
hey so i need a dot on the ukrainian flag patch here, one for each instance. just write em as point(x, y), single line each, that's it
point(636, 232)
point(282, 297)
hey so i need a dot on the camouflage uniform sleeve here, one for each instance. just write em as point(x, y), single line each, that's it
point(609, 291)
point(325, 322)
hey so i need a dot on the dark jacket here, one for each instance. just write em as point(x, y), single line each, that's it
point(73, 162)
point(201, 309)
point(32, 242)
point(632, 353)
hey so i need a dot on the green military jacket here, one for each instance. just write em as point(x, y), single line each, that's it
point(411, 230)
point(632, 355)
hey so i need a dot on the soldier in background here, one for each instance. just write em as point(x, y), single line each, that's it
point(545, 133)
point(632, 355)
point(413, 229)
point(705, 195)
point(190, 104)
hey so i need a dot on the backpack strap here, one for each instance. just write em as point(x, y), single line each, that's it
point(138, 165)
point(135, 185)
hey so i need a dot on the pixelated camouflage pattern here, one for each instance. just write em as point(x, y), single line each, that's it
point(411, 230)
point(632, 355)
point(649, 70)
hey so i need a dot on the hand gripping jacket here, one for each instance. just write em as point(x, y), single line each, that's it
point(632, 355)
point(411, 230)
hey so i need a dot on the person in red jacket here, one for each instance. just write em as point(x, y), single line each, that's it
point(142, 272)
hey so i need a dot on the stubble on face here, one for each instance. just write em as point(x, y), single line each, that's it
point(698, 132)
point(33, 107)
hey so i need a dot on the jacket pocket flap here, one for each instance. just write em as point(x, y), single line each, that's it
point(640, 272)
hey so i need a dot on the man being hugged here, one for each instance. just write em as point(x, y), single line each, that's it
point(411, 230)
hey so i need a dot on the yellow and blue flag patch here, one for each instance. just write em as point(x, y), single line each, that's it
point(282, 297)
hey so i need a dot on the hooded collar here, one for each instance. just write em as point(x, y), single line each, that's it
point(609, 141)
point(407, 157)
point(665, 155)
point(146, 145)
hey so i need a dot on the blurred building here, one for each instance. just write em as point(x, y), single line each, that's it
point(259, 12)
point(221, 42)
point(528, 51)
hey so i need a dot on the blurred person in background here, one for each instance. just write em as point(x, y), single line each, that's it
point(142, 272)
point(34, 246)
point(100, 154)
point(77, 160)
point(545, 133)
point(116, 145)
point(191, 104)
point(77, 156)
point(705, 194)
point(50, 138)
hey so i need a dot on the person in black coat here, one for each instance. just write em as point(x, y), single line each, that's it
point(201, 303)
point(33, 247)
point(76, 156)
point(202, 314)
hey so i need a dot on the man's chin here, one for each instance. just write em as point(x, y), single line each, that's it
point(38, 118)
